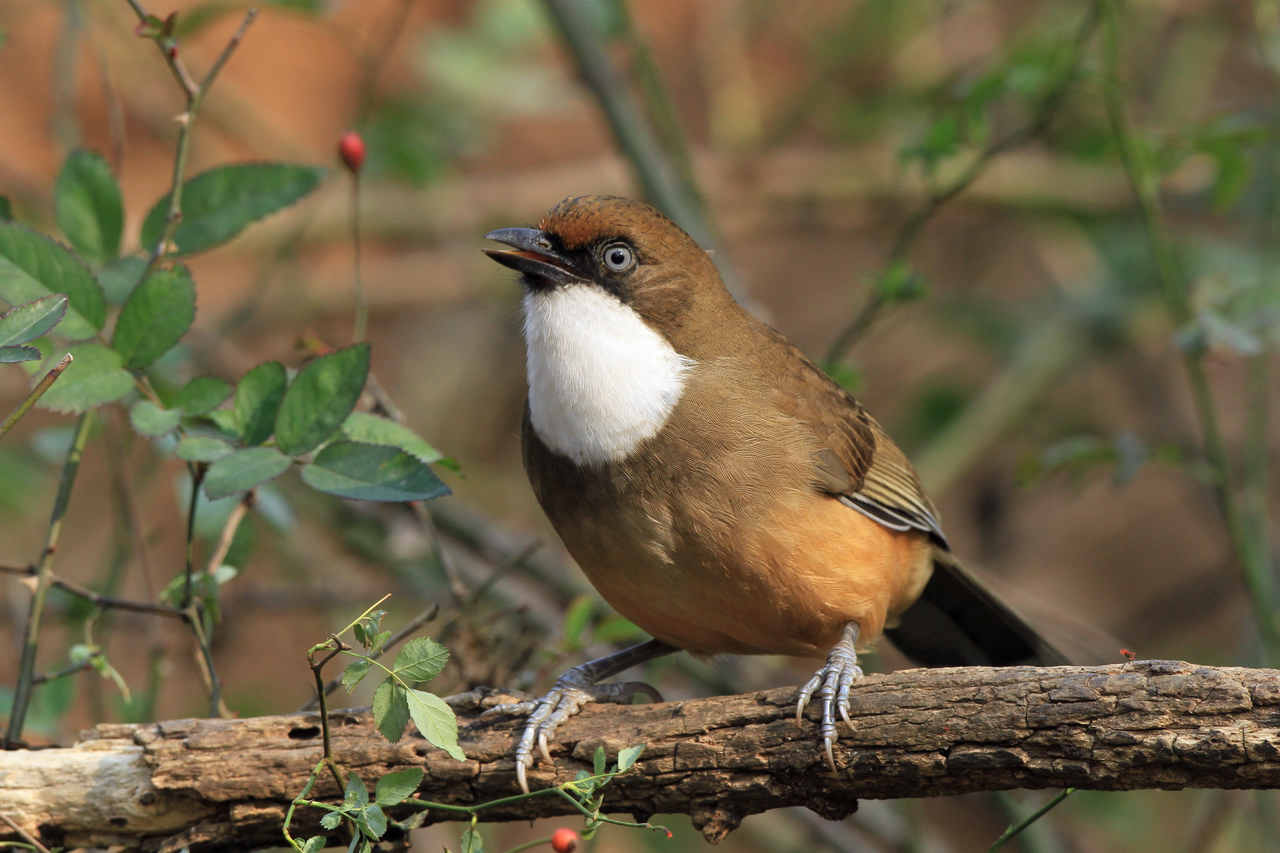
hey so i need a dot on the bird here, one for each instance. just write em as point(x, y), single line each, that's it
point(718, 489)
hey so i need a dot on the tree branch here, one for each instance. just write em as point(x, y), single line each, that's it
point(225, 784)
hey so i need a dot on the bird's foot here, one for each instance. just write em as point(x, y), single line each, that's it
point(571, 692)
point(832, 682)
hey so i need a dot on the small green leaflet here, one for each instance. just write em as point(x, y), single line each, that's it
point(243, 470)
point(397, 786)
point(435, 721)
point(371, 473)
point(257, 400)
point(201, 395)
point(88, 206)
point(390, 710)
point(32, 266)
point(368, 428)
point(421, 659)
point(219, 203)
point(96, 376)
point(29, 321)
point(156, 316)
point(151, 420)
point(203, 448)
point(320, 397)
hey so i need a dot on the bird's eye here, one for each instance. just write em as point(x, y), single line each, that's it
point(618, 257)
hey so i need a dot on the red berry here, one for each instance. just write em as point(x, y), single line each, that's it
point(351, 150)
point(564, 840)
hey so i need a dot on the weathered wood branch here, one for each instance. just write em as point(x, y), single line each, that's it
point(225, 784)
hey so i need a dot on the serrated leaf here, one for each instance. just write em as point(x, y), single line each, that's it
point(368, 428)
point(88, 206)
point(203, 448)
point(201, 395)
point(317, 843)
point(30, 320)
point(435, 721)
point(355, 673)
point(375, 820)
point(371, 473)
point(257, 401)
point(32, 266)
point(156, 316)
point(95, 376)
point(243, 470)
point(44, 346)
point(390, 710)
point(628, 756)
point(397, 786)
point(331, 820)
point(421, 659)
point(320, 398)
point(356, 793)
point(218, 204)
point(19, 354)
point(149, 419)
point(120, 276)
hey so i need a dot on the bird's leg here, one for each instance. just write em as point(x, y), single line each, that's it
point(832, 683)
point(574, 689)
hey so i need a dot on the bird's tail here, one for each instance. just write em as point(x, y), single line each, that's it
point(957, 621)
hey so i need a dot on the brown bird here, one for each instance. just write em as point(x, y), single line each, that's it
point(719, 490)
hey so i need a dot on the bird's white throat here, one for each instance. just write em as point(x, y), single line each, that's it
point(601, 380)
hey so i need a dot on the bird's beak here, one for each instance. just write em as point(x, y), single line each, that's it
point(535, 255)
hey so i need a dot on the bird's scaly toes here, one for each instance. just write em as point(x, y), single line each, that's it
point(831, 683)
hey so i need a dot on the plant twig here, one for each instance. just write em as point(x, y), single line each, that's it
point(398, 637)
point(1030, 819)
point(36, 393)
point(106, 602)
point(26, 836)
point(229, 530)
point(1044, 114)
point(44, 575)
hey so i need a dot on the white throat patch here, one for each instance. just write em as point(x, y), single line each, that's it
point(600, 379)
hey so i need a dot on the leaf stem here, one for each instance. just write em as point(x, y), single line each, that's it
point(44, 576)
point(1014, 829)
point(36, 393)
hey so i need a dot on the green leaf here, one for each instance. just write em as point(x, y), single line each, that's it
point(421, 659)
point(157, 315)
point(203, 448)
point(120, 276)
point(576, 618)
point(149, 419)
point(219, 203)
point(317, 843)
point(356, 793)
point(599, 760)
point(375, 820)
point(15, 355)
point(373, 429)
point(355, 673)
point(472, 841)
point(243, 470)
point(370, 473)
point(331, 820)
point(435, 720)
point(390, 710)
point(45, 347)
point(6, 209)
point(29, 321)
point(201, 395)
point(88, 206)
point(397, 786)
point(627, 757)
point(257, 401)
point(320, 397)
point(95, 376)
point(32, 266)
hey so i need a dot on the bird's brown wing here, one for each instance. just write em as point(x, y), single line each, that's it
point(859, 464)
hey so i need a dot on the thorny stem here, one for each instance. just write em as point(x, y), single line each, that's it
point(316, 666)
point(1254, 563)
point(44, 573)
point(36, 393)
point(911, 228)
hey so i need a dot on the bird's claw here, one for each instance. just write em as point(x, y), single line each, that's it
point(570, 693)
point(831, 683)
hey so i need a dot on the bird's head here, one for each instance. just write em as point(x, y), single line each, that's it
point(626, 248)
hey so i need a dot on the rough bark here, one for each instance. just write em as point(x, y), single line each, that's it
point(225, 784)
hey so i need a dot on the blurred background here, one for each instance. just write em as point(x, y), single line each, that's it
point(1037, 239)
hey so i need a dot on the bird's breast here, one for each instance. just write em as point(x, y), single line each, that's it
point(601, 380)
